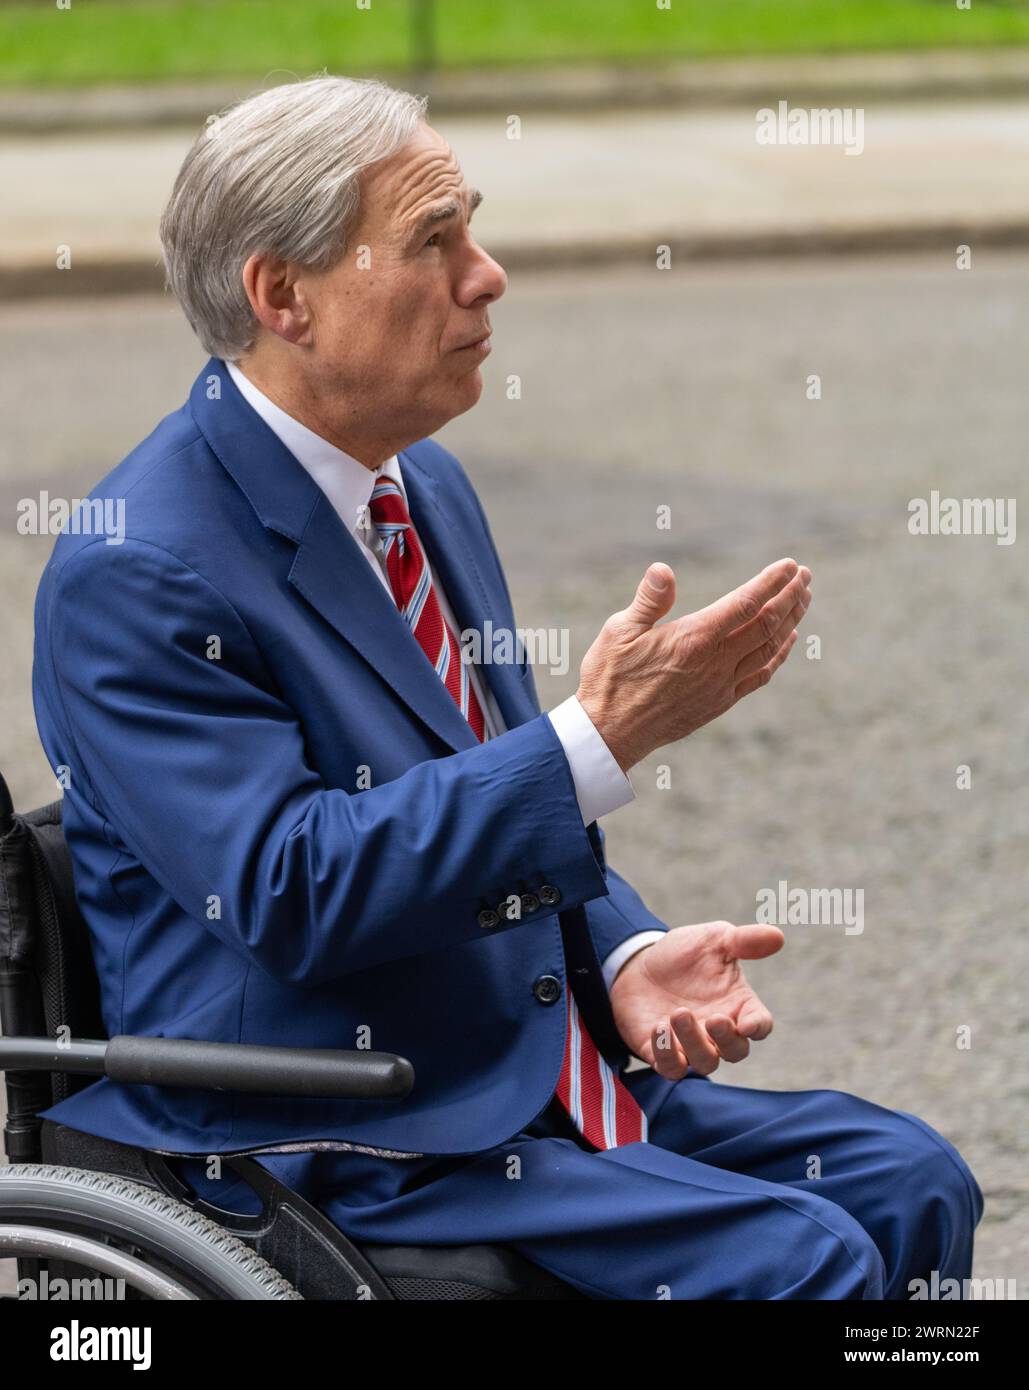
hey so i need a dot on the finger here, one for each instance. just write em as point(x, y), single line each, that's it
point(754, 1021)
point(731, 1046)
point(754, 941)
point(745, 603)
point(654, 596)
point(668, 1058)
point(762, 677)
point(755, 635)
point(698, 1047)
point(763, 654)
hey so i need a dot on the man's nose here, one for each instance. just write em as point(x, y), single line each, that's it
point(486, 279)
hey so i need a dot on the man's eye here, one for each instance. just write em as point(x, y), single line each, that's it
point(434, 240)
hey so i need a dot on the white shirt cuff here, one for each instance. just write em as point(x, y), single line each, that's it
point(628, 948)
point(600, 784)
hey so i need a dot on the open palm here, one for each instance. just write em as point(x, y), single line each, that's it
point(685, 1002)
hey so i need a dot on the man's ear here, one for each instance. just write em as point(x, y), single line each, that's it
point(277, 297)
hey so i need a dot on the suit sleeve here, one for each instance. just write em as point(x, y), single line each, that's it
point(199, 766)
point(623, 913)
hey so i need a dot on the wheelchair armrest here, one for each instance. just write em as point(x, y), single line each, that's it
point(216, 1066)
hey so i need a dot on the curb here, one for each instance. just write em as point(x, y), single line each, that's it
point(139, 276)
point(819, 79)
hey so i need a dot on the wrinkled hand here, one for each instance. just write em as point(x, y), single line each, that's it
point(684, 1002)
point(646, 683)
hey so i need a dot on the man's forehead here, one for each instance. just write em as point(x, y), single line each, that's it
point(426, 171)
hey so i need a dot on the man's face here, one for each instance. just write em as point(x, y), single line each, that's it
point(401, 324)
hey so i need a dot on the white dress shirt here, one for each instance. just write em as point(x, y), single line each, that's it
point(600, 784)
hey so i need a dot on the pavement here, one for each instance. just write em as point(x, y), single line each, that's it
point(589, 187)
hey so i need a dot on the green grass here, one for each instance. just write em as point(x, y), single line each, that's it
point(141, 40)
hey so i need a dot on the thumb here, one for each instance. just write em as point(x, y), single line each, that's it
point(654, 596)
point(755, 941)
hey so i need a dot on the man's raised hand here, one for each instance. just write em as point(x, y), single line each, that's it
point(645, 683)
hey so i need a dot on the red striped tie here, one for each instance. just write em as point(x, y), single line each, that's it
point(416, 598)
point(599, 1103)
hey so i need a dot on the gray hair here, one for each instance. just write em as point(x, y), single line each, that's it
point(278, 174)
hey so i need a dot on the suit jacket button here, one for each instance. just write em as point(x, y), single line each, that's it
point(488, 918)
point(530, 902)
point(547, 989)
point(549, 895)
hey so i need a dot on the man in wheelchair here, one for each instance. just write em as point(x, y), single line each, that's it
point(363, 970)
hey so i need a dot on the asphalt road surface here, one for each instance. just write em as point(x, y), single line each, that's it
point(687, 389)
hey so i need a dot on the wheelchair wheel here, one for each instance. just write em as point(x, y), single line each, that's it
point(125, 1231)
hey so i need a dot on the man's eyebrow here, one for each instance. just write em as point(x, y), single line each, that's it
point(444, 212)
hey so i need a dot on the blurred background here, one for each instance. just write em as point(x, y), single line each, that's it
point(658, 378)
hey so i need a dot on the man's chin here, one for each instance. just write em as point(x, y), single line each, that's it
point(466, 391)
point(460, 395)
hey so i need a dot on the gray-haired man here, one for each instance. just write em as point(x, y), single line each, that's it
point(456, 904)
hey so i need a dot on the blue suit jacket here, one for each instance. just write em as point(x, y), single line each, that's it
point(214, 687)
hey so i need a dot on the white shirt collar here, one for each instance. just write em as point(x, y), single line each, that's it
point(346, 482)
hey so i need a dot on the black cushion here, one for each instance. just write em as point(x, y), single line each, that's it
point(448, 1272)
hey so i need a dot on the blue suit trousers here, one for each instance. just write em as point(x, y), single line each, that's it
point(738, 1194)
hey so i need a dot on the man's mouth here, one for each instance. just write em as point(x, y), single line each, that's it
point(479, 344)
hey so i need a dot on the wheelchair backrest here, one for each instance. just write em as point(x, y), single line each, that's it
point(48, 982)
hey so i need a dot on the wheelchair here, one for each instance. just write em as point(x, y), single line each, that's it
point(96, 1214)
